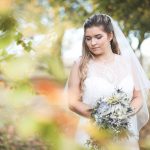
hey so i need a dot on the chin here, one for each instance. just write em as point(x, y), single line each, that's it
point(97, 52)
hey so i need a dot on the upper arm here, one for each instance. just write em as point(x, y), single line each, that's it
point(74, 83)
point(137, 94)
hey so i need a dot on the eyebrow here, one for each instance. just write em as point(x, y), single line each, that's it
point(94, 35)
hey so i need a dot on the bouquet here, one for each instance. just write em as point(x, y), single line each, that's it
point(112, 114)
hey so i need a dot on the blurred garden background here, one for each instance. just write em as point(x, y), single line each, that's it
point(39, 41)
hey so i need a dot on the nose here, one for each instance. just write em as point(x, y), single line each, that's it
point(93, 41)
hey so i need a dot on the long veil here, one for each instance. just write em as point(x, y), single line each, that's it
point(141, 81)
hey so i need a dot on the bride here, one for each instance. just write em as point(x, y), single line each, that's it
point(107, 62)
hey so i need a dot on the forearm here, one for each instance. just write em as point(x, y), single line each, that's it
point(81, 109)
point(136, 104)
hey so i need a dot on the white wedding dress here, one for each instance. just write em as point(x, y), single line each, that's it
point(101, 81)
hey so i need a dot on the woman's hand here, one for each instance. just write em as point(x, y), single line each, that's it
point(136, 103)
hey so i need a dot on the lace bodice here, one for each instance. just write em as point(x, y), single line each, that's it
point(102, 79)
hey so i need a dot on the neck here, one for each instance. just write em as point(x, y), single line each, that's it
point(104, 57)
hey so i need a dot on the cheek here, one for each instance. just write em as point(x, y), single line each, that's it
point(87, 44)
point(104, 41)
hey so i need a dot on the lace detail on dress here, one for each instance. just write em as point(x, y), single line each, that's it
point(113, 72)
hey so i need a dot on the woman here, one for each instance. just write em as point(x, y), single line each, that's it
point(104, 65)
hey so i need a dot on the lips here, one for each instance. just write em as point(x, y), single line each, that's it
point(94, 49)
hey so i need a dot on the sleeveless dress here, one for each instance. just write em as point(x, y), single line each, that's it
point(101, 81)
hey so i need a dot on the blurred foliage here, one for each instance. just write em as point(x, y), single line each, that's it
point(27, 46)
point(124, 12)
point(7, 29)
point(10, 141)
point(5, 56)
point(75, 11)
point(33, 106)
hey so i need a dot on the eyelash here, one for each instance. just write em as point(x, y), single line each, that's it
point(99, 37)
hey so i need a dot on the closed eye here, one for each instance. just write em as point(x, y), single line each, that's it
point(87, 38)
point(98, 36)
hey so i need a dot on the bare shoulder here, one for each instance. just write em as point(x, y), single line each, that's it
point(77, 61)
point(76, 64)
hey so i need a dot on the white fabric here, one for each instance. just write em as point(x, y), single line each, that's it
point(101, 81)
point(141, 81)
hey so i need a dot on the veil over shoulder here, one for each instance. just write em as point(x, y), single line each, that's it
point(141, 81)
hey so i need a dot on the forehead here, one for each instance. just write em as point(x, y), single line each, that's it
point(94, 30)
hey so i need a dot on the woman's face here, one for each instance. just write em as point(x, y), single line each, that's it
point(97, 40)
